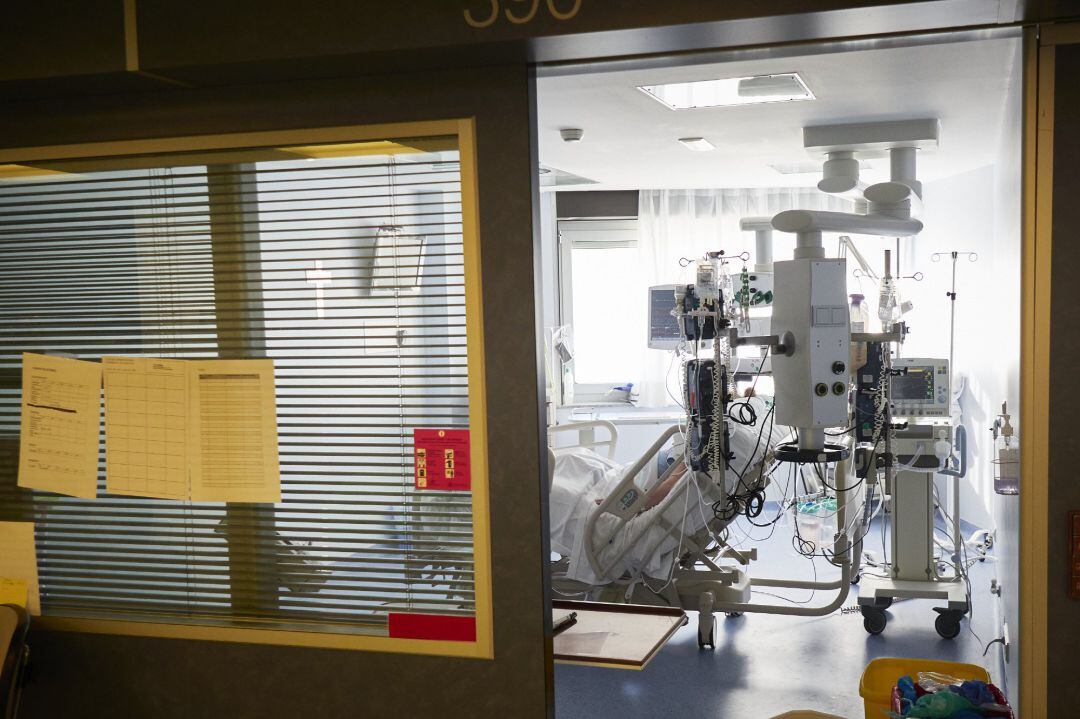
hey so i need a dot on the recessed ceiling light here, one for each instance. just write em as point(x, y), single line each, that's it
point(785, 87)
point(697, 144)
point(554, 177)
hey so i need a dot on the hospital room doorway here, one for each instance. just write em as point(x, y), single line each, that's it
point(781, 301)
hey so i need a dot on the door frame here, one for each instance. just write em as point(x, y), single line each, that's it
point(1036, 204)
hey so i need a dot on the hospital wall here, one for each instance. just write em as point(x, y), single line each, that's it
point(979, 211)
point(960, 216)
point(182, 678)
point(549, 259)
point(1008, 252)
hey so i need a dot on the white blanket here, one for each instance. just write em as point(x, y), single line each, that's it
point(582, 477)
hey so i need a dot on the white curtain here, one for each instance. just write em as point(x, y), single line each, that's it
point(677, 224)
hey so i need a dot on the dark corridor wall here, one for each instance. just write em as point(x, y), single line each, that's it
point(1064, 613)
point(91, 676)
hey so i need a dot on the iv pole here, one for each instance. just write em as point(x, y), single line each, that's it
point(951, 294)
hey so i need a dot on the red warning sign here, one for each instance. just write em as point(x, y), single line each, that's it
point(432, 626)
point(441, 459)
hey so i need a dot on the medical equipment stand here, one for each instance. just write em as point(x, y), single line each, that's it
point(954, 507)
point(913, 568)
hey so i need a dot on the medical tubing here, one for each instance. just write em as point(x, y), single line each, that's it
point(957, 475)
point(843, 585)
point(682, 538)
point(718, 429)
point(911, 463)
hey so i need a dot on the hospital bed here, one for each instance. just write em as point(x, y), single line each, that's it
point(698, 578)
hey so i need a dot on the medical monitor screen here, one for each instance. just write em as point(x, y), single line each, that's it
point(663, 327)
point(917, 384)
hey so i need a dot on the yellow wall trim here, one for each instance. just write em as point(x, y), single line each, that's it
point(1035, 365)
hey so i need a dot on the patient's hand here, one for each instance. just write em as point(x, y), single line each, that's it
point(664, 488)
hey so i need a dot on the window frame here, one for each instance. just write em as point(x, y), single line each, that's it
point(584, 394)
point(275, 632)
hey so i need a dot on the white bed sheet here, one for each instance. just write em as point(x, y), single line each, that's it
point(582, 477)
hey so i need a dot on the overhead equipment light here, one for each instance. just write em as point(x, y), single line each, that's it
point(697, 144)
point(785, 87)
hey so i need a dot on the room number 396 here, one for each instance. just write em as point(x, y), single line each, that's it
point(526, 10)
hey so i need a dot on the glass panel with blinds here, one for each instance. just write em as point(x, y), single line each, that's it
point(341, 263)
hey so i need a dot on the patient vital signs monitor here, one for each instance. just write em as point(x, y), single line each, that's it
point(921, 388)
point(664, 333)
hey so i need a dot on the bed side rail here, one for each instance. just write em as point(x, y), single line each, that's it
point(586, 435)
point(627, 499)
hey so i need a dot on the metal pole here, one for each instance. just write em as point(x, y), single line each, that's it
point(952, 319)
point(952, 373)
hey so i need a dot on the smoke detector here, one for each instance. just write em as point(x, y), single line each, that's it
point(571, 134)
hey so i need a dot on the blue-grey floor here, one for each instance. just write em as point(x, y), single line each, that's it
point(764, 665)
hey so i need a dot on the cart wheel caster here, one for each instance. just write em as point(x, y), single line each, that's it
point(874, 620)
point(733, 615)
point(706, 625)
point(947, 625)
point(709, 641)
point(856, 578)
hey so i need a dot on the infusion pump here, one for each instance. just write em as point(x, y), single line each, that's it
point(921, 389)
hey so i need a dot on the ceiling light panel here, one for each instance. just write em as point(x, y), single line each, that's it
point(697, 144)
point(786, 87)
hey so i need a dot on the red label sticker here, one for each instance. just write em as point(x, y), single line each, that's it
point(432, 626)
point(441, 459)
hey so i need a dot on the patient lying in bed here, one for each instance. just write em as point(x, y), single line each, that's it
point(583, 478)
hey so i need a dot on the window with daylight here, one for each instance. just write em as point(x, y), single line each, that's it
point(352, 266)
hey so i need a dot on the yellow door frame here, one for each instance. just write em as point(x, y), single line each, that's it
point(1038, 206)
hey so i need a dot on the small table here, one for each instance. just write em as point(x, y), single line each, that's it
point(621, 636)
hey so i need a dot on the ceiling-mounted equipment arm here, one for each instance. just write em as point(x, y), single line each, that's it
point(803, 221)
point(763, 241)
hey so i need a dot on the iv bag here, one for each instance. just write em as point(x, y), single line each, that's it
point(888, 303)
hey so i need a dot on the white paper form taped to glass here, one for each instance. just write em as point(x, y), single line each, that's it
point(198, 430)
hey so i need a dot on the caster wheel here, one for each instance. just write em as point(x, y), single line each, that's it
point(948, 626)
point(856, 578)
point(709, 641)
point(874, 620)
point(734, 615)
point(706, 627)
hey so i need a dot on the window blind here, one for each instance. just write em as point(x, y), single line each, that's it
point(344, 265)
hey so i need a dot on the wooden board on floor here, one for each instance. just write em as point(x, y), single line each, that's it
point(622, 636)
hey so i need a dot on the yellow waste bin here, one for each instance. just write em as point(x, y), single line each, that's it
point(881, 675)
